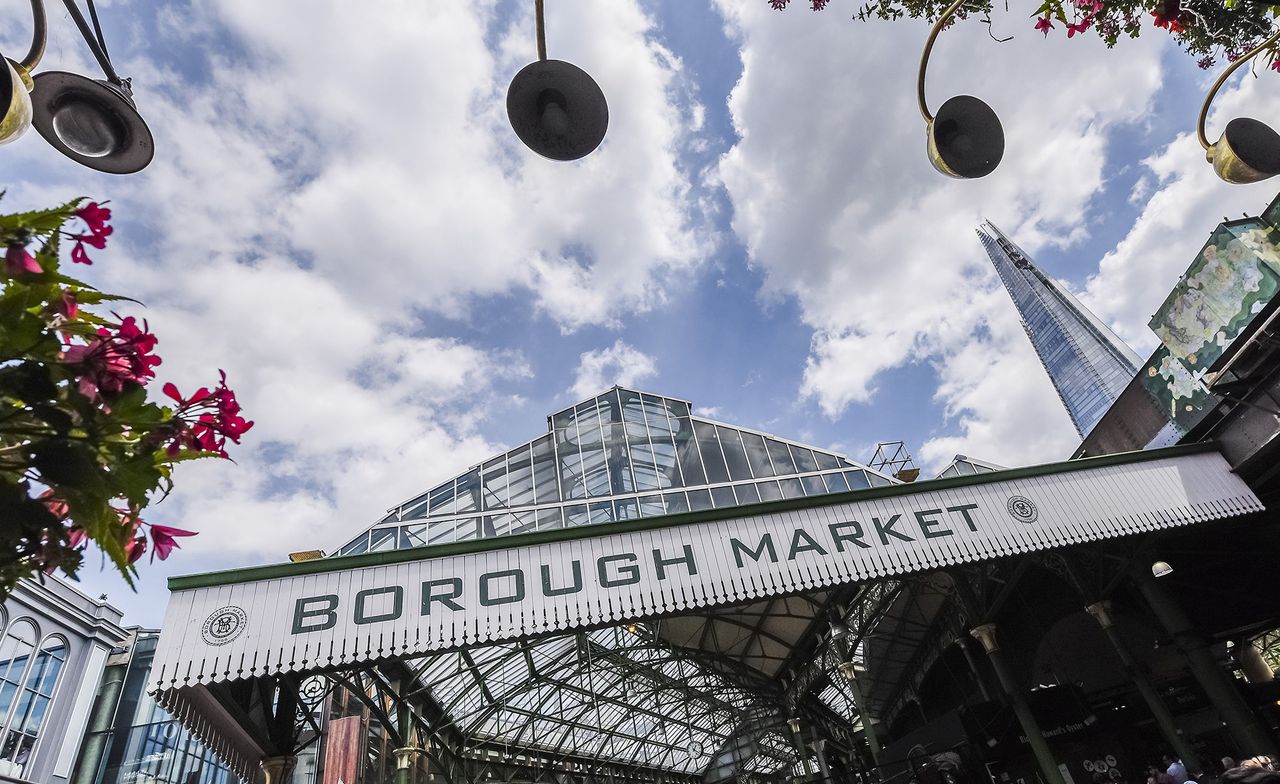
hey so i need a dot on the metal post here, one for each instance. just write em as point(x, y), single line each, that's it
point(986, 634)
point(794, 724)
point(407, 764)
point(1101, 612)
point(278, 770)
point(973, 667)
point(817, 746)
point(1243, 725)
point(850, 671)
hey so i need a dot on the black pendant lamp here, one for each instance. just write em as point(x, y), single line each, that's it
point(966, 139)
point(555, 107)
point(1248, 150)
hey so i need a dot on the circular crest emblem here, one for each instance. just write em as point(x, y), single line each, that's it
point(224, 625)
point(1022, 509)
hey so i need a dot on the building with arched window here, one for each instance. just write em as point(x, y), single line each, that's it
point(54, 645)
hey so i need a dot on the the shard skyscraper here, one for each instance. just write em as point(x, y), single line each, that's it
point(1088, 363)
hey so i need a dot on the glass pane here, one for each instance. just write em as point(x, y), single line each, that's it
point(877, 481)
point(836, 482)
point(442, 500)
point(575, 515)
point(747, 494)
point(413, 536)
point(664, 459)
point(709, 448)
point(651, 506)
point(687, 449)
point(804, 459)
point(723, 496)
point(549, 519)
point(356, 546)
point(699, 499)
point(731, 443)
point(443, 531)
point(383, 539)
point(768, 491)
point(813, 485)
point(791, 488)
point(468, 499)
point(676, 502)
point(544, 471)
point(626, 509)
point(757, 455)
point(494, 493)
point(524, 522)
point(857, 480)
point(600, 511)
point(781, 456)
point(466, 529)
point(826, 461)
point(519, 477)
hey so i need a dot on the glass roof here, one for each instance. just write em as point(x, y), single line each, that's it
point(625, 694)
point(621, 455)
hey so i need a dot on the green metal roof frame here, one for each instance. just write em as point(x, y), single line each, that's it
point(340, 563)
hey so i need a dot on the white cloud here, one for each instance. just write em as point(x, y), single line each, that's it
point(618, 364)
point(836, 202)
point(323, 180)
point(1185, 205)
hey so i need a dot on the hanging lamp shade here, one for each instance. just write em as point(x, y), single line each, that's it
point(1248, 151)
point(557, 110)
point(966, 139)
point(15, 102)
point(94, 123)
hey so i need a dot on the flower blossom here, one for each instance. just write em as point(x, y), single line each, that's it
point(163, 541)
point(205, 421)
point(109, 361)
point(1044, 25)
point(95, 218)
point(1079, 27)
point(18, 261)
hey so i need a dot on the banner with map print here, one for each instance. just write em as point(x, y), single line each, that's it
point(1231, 280)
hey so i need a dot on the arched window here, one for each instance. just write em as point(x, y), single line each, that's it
point(15, 654)
point(32, 706)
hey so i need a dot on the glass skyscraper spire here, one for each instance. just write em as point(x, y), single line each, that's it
point(1088, 363)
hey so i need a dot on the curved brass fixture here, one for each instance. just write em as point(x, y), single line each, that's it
point(966, 139)
point(1248, 150)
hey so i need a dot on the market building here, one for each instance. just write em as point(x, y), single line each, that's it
point(643, 594)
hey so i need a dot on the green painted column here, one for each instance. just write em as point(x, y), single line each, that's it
point(798, 740)
point(407, 762)
point(1249, 735)
point(1101, 612)
point(850, 671)
point(986, 634)
point(278, 770)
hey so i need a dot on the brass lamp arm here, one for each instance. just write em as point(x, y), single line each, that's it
point(924, 56)
point(1204, 108)
point(39, 34)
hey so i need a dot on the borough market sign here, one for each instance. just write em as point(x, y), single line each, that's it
point(334, 612)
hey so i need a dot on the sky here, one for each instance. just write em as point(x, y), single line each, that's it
point(339, 216)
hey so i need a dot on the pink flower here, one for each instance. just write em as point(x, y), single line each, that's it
point(18, 261)
point(1275, 64)
point(66, 304)
point(95, 216)
point(1079, 27)
point(207, 420)
point(162, 537)
point(135, 549)
point(110, 361)
point(1044, 25)
point(79, 256)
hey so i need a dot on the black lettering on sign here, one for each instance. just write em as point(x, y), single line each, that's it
point(885, 530)
point(661, 563)
point(840, 537)
point(797, 546)
point(487, 599)
point(963, 509)
point(302, 612)
point(631, 571)
point(766, 543)
point(397, 604)
point(547, 590)
point(930, 524)
point(429, 595)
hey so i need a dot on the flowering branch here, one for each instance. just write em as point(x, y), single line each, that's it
point(83, 451)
